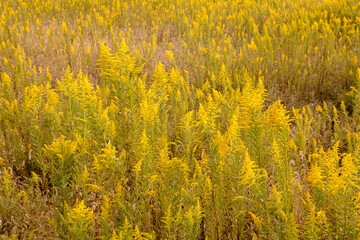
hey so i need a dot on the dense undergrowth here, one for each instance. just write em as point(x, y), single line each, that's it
point(179, 119)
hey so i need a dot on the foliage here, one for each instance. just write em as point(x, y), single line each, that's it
point(179, 119)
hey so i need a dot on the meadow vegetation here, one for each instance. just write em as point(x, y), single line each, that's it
point(159, 119)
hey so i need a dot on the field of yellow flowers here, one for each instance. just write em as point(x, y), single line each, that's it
point(186, 119)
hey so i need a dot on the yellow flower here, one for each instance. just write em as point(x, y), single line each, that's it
point(170, 56)
point(315, 176)
point(80, 220)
